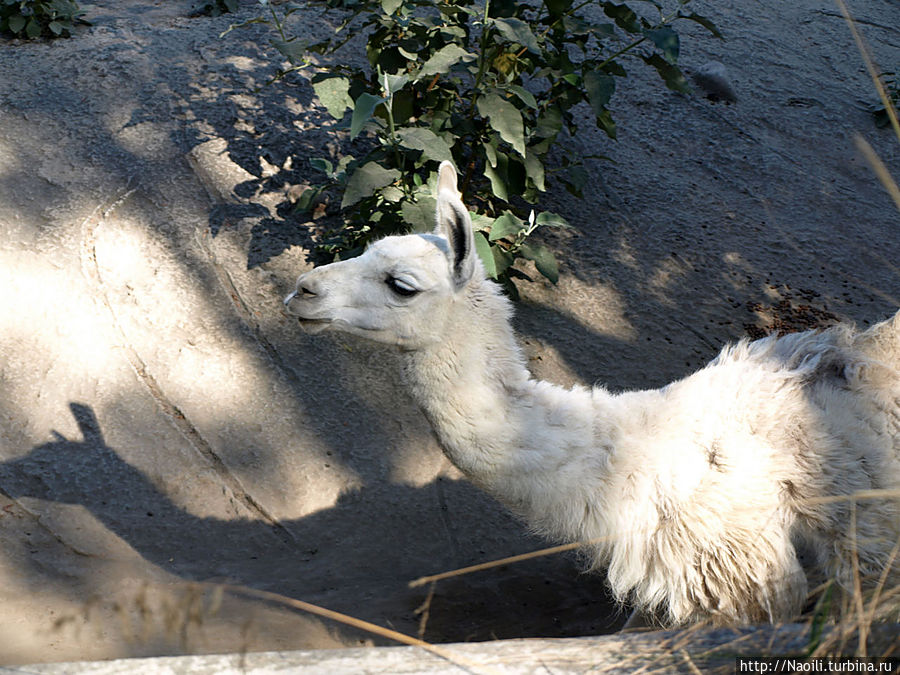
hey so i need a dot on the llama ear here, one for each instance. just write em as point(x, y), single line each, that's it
point(447, 178)
point(454, 224)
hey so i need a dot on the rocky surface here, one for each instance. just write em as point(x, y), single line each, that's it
point(162, 422)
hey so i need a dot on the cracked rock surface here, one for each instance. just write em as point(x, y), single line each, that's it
point(163, 423)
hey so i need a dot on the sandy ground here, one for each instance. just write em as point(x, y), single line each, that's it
point(161, 421)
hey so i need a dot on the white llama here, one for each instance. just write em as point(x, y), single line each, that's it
point(700, 495)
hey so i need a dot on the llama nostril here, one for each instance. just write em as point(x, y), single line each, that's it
point(303, 291)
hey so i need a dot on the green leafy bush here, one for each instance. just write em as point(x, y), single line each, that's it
point(33, 18)
point(490, 86)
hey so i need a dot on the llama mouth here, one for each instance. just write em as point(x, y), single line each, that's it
point(313, 326)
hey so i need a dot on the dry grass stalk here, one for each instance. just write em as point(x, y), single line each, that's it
point(480, 567)
point(870, 66)
point(347, 620)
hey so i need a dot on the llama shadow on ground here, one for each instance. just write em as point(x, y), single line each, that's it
point(356, 543)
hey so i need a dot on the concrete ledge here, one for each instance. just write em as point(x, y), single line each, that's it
point(687, 651)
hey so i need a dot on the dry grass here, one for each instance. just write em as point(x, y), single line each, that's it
point(857, 621)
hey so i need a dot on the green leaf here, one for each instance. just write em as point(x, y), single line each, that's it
point(550, 219)
point(706, 23)
point(671, 75)
point(550, 123)
point(293, 50)
point(390, 6)
point(410, 56)
point(534, 169)
point(524, 95)
point(507, 178)
point(306, 200)
point(481, 222)
point(322, 165)
point(516, 30)
point(606, 30)
point(599, 88)
point(505, 226)
point(605, 122)
point(433, 147)
point(419, 215)
point(443, 59)
point(334, 94)
point(576, 25)
point(624, 17)
point(497, 175)
point(490, 152)
point(55, 27)
point(392, 194)
point(483, 249)
point(543, 259)
point(33, 29)
point(505, 119)
point(557, 8)
point(363, 111)
point(503, 259)
point(666, 40)
point(365, 181)
point(575, 178)
point(342, 165)
point(393, 83)
point(16, 23)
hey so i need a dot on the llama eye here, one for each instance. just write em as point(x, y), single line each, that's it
point(401, 287)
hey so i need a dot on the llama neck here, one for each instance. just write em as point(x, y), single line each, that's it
point(467, 384)
point(507, 432)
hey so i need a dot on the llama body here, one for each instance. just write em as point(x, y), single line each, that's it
point(698, 497)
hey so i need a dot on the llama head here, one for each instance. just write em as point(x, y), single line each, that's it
point(402, 290)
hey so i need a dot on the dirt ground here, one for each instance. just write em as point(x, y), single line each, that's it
point(162, 422)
